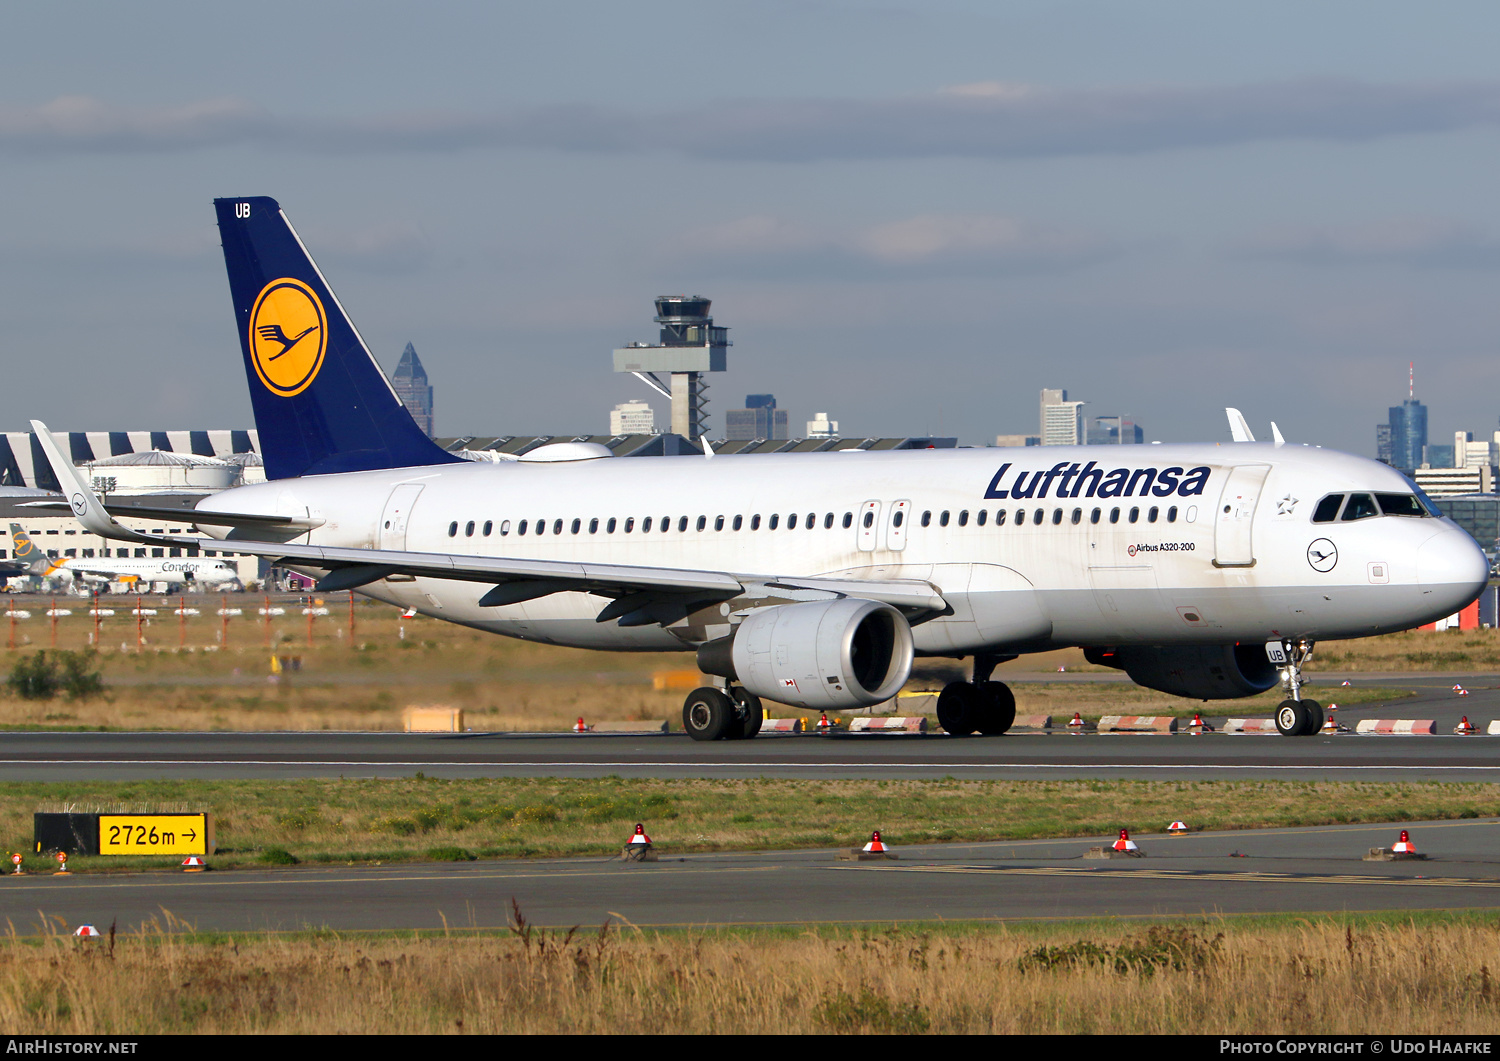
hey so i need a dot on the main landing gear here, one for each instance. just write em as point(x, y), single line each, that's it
point(1296, 717)
point(730, 714)
point(981, 705)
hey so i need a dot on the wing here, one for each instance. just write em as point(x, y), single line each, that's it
point(268, 524)
point(641, 595)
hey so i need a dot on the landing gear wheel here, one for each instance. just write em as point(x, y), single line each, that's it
point(958, 708)
point(1314, 717)
point(1292, 718)
point(997, 708)
point(749, 726)
point(707, 714)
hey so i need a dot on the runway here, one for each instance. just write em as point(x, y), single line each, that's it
point(1313, 870)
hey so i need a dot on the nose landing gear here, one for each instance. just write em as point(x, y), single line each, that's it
point(1296, 717)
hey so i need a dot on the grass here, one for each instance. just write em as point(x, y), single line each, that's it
point(348, 820)
point(1337, 975)
point(186, 678)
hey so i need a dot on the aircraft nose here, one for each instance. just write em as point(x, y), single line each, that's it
point(1452, 566)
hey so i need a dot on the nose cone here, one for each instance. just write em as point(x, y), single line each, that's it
point(1452, 567)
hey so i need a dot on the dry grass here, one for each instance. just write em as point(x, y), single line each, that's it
point(1415, 650)
point(184, 679)
point(1320, 977)
point(338, 819)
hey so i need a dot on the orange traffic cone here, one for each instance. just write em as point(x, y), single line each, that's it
point(1076, 722)
point(875, 845)
point(823, 723)
point(1404, 845)
point(193, 864)
point(1125, 843)
point(1178, 829)
point(87, 932)
point(579, 726)
point(1465, 727)
point(638, 848)
point(640, 836)
point(1198, 725)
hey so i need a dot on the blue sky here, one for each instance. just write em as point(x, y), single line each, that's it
point(912, 216)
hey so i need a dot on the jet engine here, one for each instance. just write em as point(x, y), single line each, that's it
point(1201, 672)
point(822, 655)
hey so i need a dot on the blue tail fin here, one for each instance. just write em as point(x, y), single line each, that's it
point(321, 402)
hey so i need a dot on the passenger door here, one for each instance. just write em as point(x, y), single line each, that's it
point(896, 525)
point(397, 515)
point(867, 527)
point(1234, 519)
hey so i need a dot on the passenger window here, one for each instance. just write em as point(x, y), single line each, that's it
point(828, 521)
point(453, 529)
point(791, 522)
point(1114, 515)
point(505, 527)
point(1094, 515)
point(869, 519)
point(469, 529)
point(1151, 515)
point(812, 520)
point(755, 522)
point(1172, 514)
point(775, 521)
point(702, 522)
point(682, 524)
point(629, 524)
point(666, 524)
point(522, 528)
point(557, 526)
point(609, 528)
point(539, 527)
point(1056, 516)
point(1038, 517)
point(1135, 515)
point(738, 521)
point(489, 525)
point(897, 518)
point(577, 525)
point(645, 524)
point(1328, 509)
point(1359, 506)
point(593, 525)
point(927, 519)
point(1020, 517)
point(848, 520)
point(999, 517)
point(1077, 516)
point(963, 518)
point(981, 517)
point(943, 519)
point(718, 523)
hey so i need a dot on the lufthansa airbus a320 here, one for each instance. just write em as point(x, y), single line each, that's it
point(1204, 571)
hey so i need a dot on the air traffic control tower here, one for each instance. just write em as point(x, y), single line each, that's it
point(690, 347)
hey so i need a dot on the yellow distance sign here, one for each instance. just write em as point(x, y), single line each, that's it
point(156, 834)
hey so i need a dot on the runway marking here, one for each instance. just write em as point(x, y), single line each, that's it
point(731, 764)
point(1187, 876)
point(76, 882)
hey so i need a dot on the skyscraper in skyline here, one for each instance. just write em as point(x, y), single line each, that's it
point(1407, 425)
point(412, 388)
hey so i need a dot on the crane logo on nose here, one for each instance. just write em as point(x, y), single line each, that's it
point(1322, 554)
point(288, 336)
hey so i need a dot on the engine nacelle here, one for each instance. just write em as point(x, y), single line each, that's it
point(1201, 672)
point(823, 655)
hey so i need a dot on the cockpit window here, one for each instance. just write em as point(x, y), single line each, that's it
point(1359, 506)
point(1328, 509)
point(1400, 505)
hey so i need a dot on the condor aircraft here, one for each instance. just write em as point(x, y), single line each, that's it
point(174, 571)
point(1205, 571)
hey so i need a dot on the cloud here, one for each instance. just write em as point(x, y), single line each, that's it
point(1423, 243)
point(924, 244)
point(988, 119)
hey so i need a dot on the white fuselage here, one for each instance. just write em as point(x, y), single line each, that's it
point(1219, 548)
point(172, 570)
